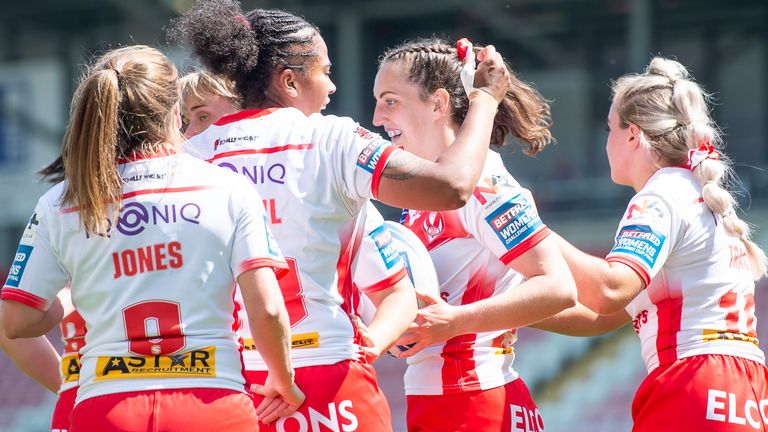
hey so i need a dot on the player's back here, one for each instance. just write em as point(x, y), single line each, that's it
point(156, 289)
point(313, 183)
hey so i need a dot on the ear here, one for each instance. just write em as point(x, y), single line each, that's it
point(634, 134)
point(287, 83)
point(442, 102)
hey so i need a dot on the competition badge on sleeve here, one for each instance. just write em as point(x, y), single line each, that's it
point(638, 239)
point(389, 253)
point(514, 221)
point(22, 253)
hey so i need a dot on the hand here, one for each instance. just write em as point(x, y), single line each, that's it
point(279, 401)
point(492, 75)
point(434, 323)
point(368, 347)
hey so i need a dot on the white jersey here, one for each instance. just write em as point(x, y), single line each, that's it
point(470, 248)
point(371, 271)
point(699, 296)
point(417, 262)
point(156, 290)
point(315, 174)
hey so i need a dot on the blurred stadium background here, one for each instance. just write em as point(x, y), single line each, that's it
point(570, 49)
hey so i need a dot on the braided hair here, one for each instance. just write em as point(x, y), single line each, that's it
point(672, 112)
point(249, 48)
point(433, 64)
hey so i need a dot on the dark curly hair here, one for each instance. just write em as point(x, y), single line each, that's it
point(246, 48)
point(433, 64)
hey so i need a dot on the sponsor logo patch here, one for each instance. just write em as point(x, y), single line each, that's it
point(639, 241)
point(305, 340)
point(370, 155)
point(514, 221)
point(191, 364)
point(390, 254)
point(19, 263)
point(70, 368)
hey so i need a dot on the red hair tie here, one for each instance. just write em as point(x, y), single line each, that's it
point(705, 151)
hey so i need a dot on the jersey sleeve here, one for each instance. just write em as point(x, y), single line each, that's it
point(364, 156)
point(253, 245)
point(36, 274)
point(503, 217)
point(379, 261)
point(644, 236)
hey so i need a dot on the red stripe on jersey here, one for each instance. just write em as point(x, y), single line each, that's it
point(350, 236)
point(458, 371)
point(280, 267)
point(244, 115)
point(533, 240)
point(266, 150)
point(670, 313)
point(163, 152)
point(634, 266)
point(148, 192)
point(385, 283)
point(380, 165)
point(24, 297)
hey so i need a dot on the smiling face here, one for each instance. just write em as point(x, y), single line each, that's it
point(315, 86)
point(201, 112)
point(410, 121)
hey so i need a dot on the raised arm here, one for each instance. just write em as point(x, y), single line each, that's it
point(409, 181)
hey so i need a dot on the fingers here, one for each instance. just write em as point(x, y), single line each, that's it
point(258, 389)
point(276, 410)
point(268, 409)
point(488, 50)
point(427, 298)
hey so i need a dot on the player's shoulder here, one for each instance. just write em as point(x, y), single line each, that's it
point(52, 198)
point(331, 129)
point(205, 173)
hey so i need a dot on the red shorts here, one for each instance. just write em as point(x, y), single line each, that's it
point(711, 393)
point(63, 409)
point(194, 409)
point(341, 396)
point(505, 408)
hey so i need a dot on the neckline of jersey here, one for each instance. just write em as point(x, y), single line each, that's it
point(164, 151)
point(244, 114)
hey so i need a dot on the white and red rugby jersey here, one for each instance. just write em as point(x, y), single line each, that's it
point(315, 174)
point(374, 268)
point(156, 290)
point(418, 264)
point(699, 296)
point(470, 248)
